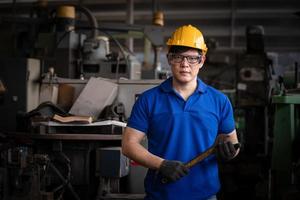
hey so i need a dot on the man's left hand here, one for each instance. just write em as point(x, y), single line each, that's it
point(226, 150)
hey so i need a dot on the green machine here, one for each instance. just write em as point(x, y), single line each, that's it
point(285, 184)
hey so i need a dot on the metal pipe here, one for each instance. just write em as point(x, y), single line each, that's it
point(154, 6)
point(296, 75)
point(147, 55)
point(92, 19)
point(266, 131)
point(233, 16)
point(130, 20)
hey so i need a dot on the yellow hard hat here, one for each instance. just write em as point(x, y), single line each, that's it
point(188, 36)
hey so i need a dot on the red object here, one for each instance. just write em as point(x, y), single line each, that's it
point(133, 163)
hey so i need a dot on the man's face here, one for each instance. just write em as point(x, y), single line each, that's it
point(185, 66)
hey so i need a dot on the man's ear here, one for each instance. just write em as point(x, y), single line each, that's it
point(168, 60)
point(203, 58)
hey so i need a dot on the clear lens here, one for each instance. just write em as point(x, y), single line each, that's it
point(177, 58)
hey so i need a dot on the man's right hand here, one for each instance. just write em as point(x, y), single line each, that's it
point(172, 170)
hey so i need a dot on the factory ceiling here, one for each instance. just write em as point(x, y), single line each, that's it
point(222, 21)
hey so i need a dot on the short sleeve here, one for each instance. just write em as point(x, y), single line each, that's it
point(226, 124)
point(139, 115)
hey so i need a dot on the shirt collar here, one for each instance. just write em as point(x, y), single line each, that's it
point(166, 86)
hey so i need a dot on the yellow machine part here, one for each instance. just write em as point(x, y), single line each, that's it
point(66, 12)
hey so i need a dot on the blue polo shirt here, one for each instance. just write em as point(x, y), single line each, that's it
point(180, 130)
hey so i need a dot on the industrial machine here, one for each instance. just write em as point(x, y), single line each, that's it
point(255, 83)
point(285, 154)
point(73, 48)
point(46, 61)
point(254, 87)
point(72, 162)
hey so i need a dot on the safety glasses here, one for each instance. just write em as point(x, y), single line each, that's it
point(177, 58)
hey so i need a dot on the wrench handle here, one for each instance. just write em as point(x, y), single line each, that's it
point(200, 157)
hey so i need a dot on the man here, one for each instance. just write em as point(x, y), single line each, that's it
point(182, 117)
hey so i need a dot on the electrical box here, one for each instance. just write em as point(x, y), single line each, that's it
point(110, 162)
point(19, 77)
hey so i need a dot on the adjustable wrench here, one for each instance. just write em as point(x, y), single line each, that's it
point(201, 157)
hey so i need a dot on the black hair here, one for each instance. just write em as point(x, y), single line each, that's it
point(181, 49)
